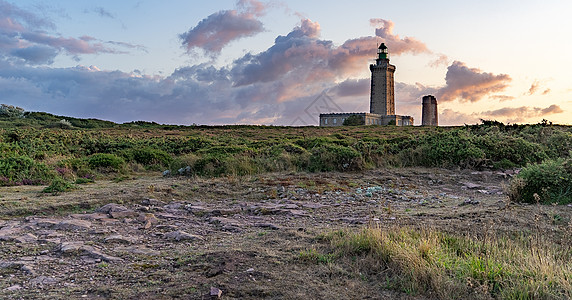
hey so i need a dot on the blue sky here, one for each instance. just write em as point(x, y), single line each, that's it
point(272, 62)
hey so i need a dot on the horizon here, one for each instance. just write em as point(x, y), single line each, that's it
point(252, 62)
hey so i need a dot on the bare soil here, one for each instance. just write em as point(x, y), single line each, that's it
point(152, 237)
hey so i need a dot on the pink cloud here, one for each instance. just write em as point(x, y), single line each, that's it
point(26, 38)
point(441, 60)
point(397, 45)
point(470, 84)
point(533, 88)
point(216, 31)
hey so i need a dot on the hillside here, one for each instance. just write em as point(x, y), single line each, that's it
point(99, 210)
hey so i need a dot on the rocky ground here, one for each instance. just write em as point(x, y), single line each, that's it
point(152, 237)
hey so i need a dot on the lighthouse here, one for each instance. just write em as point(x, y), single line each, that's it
point(382, 99)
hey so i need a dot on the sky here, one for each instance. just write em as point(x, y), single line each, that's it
point(285, 62)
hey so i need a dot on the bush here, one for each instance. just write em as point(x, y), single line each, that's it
point(444, 149)
point(334, 158)
point(17, 170)
point(548, 182)
point(105, 160)
point(11, 111)
point(58, 185)
point(354, 120)
point(149, 156)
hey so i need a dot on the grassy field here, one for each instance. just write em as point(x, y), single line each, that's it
point(63, 157)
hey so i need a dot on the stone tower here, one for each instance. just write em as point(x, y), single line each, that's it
point(382, 101)
point(429, 112)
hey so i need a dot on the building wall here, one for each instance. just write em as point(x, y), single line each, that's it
point(429, 116)
point(337, 119)
point(382, 98)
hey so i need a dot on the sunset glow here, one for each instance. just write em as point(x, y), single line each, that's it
point(266, 62)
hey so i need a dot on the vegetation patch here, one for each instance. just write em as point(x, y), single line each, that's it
point(430, 262)
point(546, 183)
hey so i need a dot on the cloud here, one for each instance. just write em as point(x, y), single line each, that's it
point(449, 117)
point(441, 60)
point(552, 109)
point(282, 85)
point(102, 12)
point(533, 88)
point(397, 45)
point(275, 86)
point(12, 18)
point(216, 31)
point(470, 84)
point(352, 87)
point(26, 38)
point(519, 114)
point(505, 114)
point(502, 98)
point(36, 54)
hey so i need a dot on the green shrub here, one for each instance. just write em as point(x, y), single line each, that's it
point(58, 185)
point(149, 156)
point(16, 169)
point(334, 158)
point(354, 120)
point(507, 151)
point(105, 160)
point(548, 182)
point(443, 149)
point(83, 180)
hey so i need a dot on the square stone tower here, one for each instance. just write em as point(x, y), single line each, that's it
point(382, 101)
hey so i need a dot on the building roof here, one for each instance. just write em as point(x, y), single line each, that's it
point(382, 46)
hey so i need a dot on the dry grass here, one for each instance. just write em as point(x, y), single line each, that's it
point(429, 262)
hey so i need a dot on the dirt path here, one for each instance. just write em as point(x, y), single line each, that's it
point(188, 238)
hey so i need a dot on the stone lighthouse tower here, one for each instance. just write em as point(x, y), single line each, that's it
point(382, 99)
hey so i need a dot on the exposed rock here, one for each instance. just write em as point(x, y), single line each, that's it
point(181, 236)
point(123, 214)
point(470, 185)
point(225, 212)
point(313, 205)
point(73, 224)
point(197, 210)
point(90, 217)
point(170, 216)
point(22, 265)
point(152, 202)
point(470, 202)
point(26, 238)
point(141, 250)
point(148, 219)
point(267, 225)
point(215, 293)
point(111, 207)
point(46, 223)
point(13, 288)
point(7, 234)
point(79, 248)
point(297, 213)
point(43, 280)
point(225, 222)
point(116, 238)
point(174, 205)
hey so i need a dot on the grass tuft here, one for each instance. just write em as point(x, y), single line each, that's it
point(430, 262)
